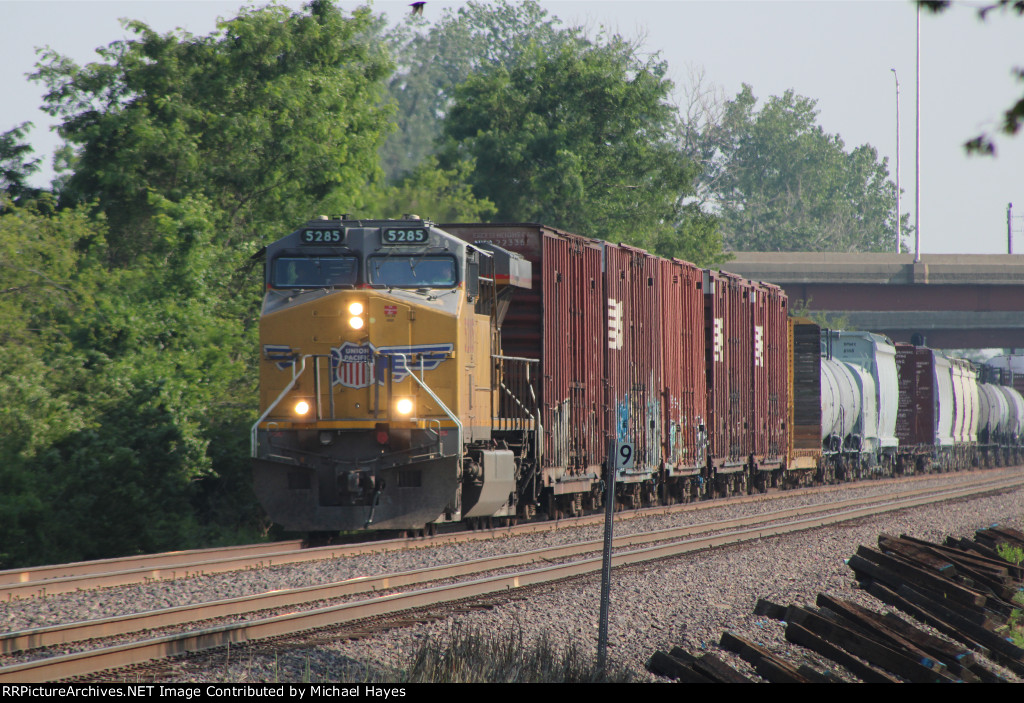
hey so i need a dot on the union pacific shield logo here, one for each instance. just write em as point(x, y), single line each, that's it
point(352, 365)
point(359, 365)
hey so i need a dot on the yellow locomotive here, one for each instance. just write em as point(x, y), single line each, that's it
point(378, 344)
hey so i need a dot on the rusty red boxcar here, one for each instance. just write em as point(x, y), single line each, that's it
point(618, 337)
point(745, 332)
point(653, 366)
point(684, 378)
point(560, 325)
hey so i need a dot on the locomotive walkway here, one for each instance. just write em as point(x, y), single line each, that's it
point(954, 301)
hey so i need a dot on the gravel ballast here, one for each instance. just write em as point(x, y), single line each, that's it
point(686, 601)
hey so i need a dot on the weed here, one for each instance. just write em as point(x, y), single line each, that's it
point(1015, 625)
point(473, 657)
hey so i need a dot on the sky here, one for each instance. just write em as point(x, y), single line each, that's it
point(837, 53)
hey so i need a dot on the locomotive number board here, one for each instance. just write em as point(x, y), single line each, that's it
point(322, 236)
point(397, 236)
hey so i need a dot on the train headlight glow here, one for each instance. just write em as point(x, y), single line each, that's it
point(301, 408)
point(356, 323)
point(355, 308)
point(404, 406)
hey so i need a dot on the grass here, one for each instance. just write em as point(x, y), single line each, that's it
point(474, 657)
point(1015, 625)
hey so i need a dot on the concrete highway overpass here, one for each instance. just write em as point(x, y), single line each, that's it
point(967, 301)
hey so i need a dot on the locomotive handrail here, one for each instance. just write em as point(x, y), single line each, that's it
point(515, 358)
point(534, 416)
point(458, 424)
point(253, 433)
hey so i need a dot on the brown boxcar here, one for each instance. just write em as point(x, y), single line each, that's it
point(685, 437)
point(653, 367)
point(633, 360)
point(745, 332)
point(560, 323)
point(772, 454)
point(729, 349)
point(804, 428)
point(618, 333)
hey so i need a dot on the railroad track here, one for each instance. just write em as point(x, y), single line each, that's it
point(41, 581)
point(516, 571)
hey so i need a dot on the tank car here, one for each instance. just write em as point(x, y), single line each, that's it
point(859, 372)
point(1003, 381)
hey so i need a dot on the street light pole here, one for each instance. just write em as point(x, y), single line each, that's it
point(896, 76)
point(917, 158)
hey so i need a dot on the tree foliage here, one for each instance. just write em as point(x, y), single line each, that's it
point(430, 191)
point(781, 183)
point(433, 59)
point(576, 135)
point(16, 165)
point(262, 119)
point(125, 391)
point(129, 307)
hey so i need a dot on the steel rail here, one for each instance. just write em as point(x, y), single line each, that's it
point(49, 636)
point(68, 578)
point(162, 560)
point(121, 625)
point(98, 660)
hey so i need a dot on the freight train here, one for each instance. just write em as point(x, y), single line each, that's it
point(415, 374)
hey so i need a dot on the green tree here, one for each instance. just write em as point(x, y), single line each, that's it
point(434, 193)
point(262, 119)
point(433, 59)
point(16, 165)
point(126, 392)
point(781, 183)
point(577, 136)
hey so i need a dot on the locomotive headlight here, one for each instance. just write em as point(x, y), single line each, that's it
point(404, 406)
point(356, 309)
point(301, 408)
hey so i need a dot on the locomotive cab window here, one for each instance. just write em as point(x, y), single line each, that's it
point(413, 271)
point(314, 271)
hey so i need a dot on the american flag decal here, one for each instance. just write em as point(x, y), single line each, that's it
point(358, 365)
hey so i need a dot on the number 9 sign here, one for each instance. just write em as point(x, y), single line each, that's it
point(624, 452)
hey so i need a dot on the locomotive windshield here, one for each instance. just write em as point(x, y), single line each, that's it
point(314, 271)
point(413, 271)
